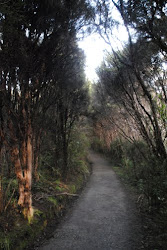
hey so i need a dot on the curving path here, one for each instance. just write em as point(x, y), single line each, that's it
point(103, 218)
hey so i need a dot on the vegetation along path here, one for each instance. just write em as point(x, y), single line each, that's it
point(104, 217)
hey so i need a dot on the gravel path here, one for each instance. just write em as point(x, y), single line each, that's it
point(103, 218)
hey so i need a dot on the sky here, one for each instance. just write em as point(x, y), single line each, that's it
point(95, 47)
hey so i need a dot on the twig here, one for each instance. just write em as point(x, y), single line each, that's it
point(65, 193)
point(9, 200)
point(4, 2)
point(7, 189)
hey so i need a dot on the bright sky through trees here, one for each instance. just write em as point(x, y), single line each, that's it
point(95, 47)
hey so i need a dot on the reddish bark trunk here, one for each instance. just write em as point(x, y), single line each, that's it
point(28, 210)
point(24, 173)
point(36, 143)
point(15, 157)
point(23, 168)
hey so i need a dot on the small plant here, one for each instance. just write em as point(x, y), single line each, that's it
point(5, 243)
point(72, 189)
point(53, 200)
point(38, 212)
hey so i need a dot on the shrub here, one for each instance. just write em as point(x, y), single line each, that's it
point(98, 145)
point(78, 149)
point(142, 170)
point(116, 150)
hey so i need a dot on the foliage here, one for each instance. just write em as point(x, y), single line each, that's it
point(53, 200)
point(5, 243)
point(116, 150)
point(136, 87)
point(98, 145)
point(78, 149)
point(142, 170)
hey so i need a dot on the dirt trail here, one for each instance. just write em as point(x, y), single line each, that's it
point(103, 218)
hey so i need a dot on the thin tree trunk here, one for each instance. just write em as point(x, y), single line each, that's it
point(1, 186)
point(15, 157)
point(23, 168)
point(160, 147)
point(36, 142)
point(1, 195)
point(28, 210)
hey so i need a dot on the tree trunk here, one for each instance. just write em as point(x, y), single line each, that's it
point(36, 150)
point(65, 160)
point(160, 147)
point(1, 186)
point(22, 169)
point(28, 210)
point(24, 173)
point(15, 157)
point(1, 195)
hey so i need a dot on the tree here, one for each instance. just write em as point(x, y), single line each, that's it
point(130, 80)
point(35, 48)
point(149, 18)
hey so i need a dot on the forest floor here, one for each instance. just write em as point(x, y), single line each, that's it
point(104, 217)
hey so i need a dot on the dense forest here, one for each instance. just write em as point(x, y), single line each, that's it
point(48, 109)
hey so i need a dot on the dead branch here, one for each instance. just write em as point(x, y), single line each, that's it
point(65, 193)
point(45, 196)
